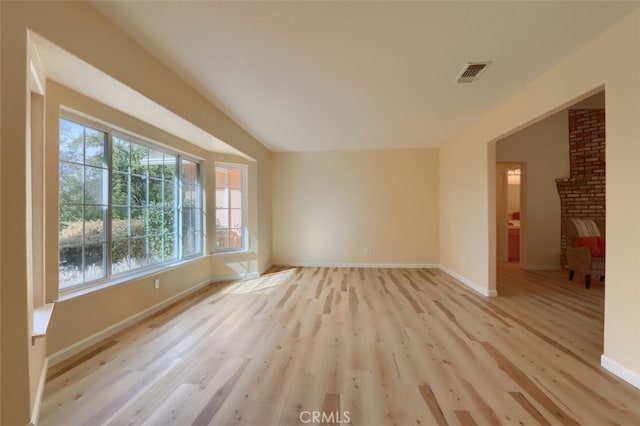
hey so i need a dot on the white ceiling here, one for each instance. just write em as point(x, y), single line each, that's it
point(358, 75)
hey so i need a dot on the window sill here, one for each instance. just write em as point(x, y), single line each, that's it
point(232, 253)
point(72, 294)
point(41, 319)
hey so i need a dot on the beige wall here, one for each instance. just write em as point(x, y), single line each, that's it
point(467, 178)
point(544, 147)
point(329, 206)
point(79, 29)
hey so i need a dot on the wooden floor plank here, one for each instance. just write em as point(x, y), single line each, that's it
point(385, 346)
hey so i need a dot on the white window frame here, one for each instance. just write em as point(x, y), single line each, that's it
point(119, 277)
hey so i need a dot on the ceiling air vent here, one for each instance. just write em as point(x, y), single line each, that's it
point(471, 72)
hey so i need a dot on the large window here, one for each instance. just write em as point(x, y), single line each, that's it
point(121, 201)
point(230, 207)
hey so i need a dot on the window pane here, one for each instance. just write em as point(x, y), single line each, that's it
point(155, 192)
point(188, 243)
point(120, 155)
point(137, 227)
point(71, 183)
point(71, 230)
point(235, 178)
point(138, 190)
point(222, 218)
point(236, 199)
point(138, 221)
point(155, 221)
point(69, 214)
point(71, 141)
point(119, 256)
point(156, 163)
point(94, 147)
point(94, 262)
point(222, 198)
point(189, 195)
point(168, 220)
point(221, 178)
point(236, 218)
point(94, 213)
point(198, 242)
point(93, 224)
point(187, 221)
point(169, 166)
point(168, 193)
point(138, 252)
point(70, 268)
point(169, 247)
point(235, 238)
point(156, 247)
point(119, 222)
point(189, 172)
point(119, 189)
point(139, 162)
point(222, 239)
point(94, 189)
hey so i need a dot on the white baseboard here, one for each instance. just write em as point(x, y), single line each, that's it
point(98, 337)
point(541, 267)
point(357, 265)
point(621, 371)
point(35, 412)
point(473, 286)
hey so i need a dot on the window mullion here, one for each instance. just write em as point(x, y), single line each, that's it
point(84, 206)
point(109, 214)
point(228, 211)
point(179, 196)
point(147, 228)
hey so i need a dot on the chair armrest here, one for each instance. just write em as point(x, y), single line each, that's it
point(578, 259)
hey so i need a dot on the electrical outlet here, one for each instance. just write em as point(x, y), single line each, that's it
point(367, 251)
point(156, 284)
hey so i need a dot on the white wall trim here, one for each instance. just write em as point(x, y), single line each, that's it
point(104, 334)
point(621, 371)
point(541, 267)
point(356, 265)
point(37, 403)
point(473, 286)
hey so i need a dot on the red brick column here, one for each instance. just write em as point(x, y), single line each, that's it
point(582, 195)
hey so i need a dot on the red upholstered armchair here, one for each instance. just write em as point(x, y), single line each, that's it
point(585, 248)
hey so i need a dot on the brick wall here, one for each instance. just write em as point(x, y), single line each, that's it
point(582, 195)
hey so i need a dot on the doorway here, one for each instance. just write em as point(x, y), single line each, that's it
point(509, 211)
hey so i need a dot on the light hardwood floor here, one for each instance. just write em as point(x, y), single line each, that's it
point(372, 346)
